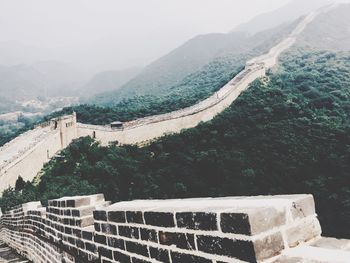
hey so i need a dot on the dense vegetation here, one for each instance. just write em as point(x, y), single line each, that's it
point(193, 89)
point(290, 134)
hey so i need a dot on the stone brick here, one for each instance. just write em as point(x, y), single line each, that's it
point(159, 254)
point(253, 222)
point(100, 239)
point(149, 235)
point(180, 240)
point(85, 221)
point(78, 201)
point(197, 221)
point(116, 242)
point(105, 252)
point(121, 257)
point(134, 217)
point(109, 229)
point(117, 216)
point(159, 219)
point(303, 207)
point(137, 260)
point(91, 247)
point(186, 258)
point(269, 246)
point(302, 232)
point(87, 235)
point(100, 215)
point(97, 227)
point(136, 248)
point(243, 250)
point(130, 232)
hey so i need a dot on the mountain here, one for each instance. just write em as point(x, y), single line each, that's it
point(174, 70)
point(107, 81)
point(46, 78)
point(171, 70)
point(173, 67)
point(330, 31)
point(285, 14)
point(288, 133)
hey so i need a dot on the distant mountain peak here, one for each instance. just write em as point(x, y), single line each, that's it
point(293, 10)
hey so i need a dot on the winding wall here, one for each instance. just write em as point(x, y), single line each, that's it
point(149, 128)
point(27, 154)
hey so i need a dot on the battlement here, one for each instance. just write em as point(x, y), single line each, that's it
point(208, 230)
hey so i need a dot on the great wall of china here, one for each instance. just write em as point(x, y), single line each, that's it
point(266, 229)
point(80, 229)
point(25, 155)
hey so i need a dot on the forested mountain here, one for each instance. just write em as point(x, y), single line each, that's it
point(288, 133)
point(139, 101)
point(171, 70)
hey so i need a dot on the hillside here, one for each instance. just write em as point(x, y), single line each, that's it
point(175, 70)
point(190, 90)
point(288, 135)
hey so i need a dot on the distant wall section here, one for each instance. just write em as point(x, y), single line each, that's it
point(55, 136)
point(149, 128)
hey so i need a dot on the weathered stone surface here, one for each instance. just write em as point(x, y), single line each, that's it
point(136, 248)
point(159, 219)
point(269, 246)
point(240, 249)
point(180, 240)
point(221, 230)
point(117, 216)
point(134, 217)
point(121, 257)
point(302, 232)
point(182, 258)
point(252, 222)
point(197, 220)
point(149, 235)
point(159, 254)
point(130, 232)
point(332, 243)
point(303, 207)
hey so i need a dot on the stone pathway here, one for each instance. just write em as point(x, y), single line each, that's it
point(8, 255)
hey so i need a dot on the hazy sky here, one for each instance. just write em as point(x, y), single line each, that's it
point(52, 23)
point(117, 33)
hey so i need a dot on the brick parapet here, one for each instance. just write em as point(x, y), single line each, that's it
point(213, 230)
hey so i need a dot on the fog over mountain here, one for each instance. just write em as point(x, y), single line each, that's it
point(70, 48)
point(112, 35)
